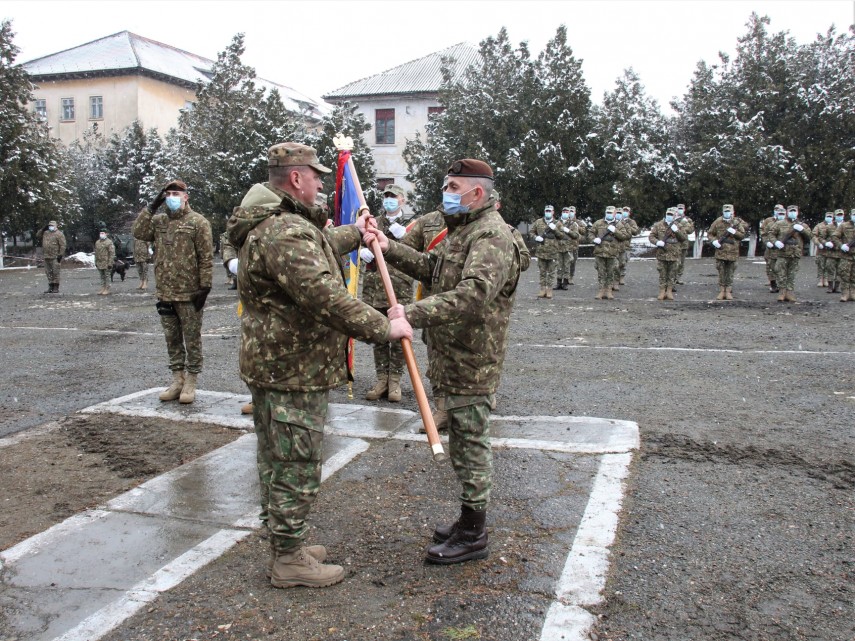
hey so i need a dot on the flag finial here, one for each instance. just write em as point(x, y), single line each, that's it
point(342, 142)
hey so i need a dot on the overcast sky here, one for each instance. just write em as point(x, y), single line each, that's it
point(329, 43)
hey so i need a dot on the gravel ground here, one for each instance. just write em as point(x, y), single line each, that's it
point(740, 516)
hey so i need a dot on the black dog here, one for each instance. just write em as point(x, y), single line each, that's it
point(119, 267)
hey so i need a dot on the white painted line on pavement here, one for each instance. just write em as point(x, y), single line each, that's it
point(584, 576)
point(806, 352)
point(44, 539)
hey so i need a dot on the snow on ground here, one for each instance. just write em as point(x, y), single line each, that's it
point(87, 260)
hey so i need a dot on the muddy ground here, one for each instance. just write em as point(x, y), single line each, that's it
point(740, 516)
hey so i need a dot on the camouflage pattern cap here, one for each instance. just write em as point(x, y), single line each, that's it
point(792, 208)
point(393, 189)
point(610, 209)
point(293, 154)
point(176, 185)
point(52, 223)
point(549, 208)
point(727, 208)
point(779, 208)
point(470, 168)
point(838, 212)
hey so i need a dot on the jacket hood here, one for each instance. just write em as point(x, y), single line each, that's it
point(258, 203)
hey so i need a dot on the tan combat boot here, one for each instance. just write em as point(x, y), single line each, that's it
point(728, 293)
point(188, 392)
point(246, 409)
point(173, 391)
point(782, 297)
point(394, 394)
point(301, 568)
point(317, 551)
point(790, 298)
point(608, 293)
point(721, 295)
point(107, 290)
point(548, 292)
point(847, 295)
point(381, 387)
point(600, 293)
point(661, 294)
point(542, 293)
point(144, 284)
point(669, 293)
point(440, 416)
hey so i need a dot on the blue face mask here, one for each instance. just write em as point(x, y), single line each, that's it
point(173, 202)
point(792, 215)
point(669, 218)
point(565, 216)
point(451, 203)
point(618, 217)
point(391, 204)
point(727, 215)
point(547, 215)
point(779, 216)
point(610, 217)
point(828, 220)
point(838, 219)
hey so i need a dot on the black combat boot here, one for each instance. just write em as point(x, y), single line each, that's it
point(773, 287)
point(466, 541)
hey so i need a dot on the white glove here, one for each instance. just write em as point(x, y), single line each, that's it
point(829, 245)
point(611, 228)
point(552, 226)
point(397, 230)
point(716, 244)
point(597, 241)
point(769, 245)
point(366, 255)
point(674, 228)
point(538, 239)
point(660, 243)
point(779, 244)
point(845, 247)
point(798, 227)
point(233, 265)
point(731, 230)
point(565, 230)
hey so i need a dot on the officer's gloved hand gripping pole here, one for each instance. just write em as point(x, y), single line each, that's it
point(406, 343)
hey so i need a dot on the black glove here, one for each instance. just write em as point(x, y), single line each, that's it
point(200, 297)
point(158, 201)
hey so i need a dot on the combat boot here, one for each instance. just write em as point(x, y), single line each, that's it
point(188, 392)
point(773, 287)
point(440, 416)
point(790, 297)
point(558, 284)
point(782, 298)
point(569, 281)
point(394, 394)
point(301, 568)
point(608, 293)
point(107, 290)
point(548, 293)
point(319, 552)
point(847, 295)
point(56, 288)
point(622, 281)
point(542, 292)
point(467, 540)
point(721, 295)
point(661, 294)
point(821, 283)
point(381, 387)
point(246, 409)
point(834, 287)
point(669, 293)
point(728, 293)
point(173, 391)
point(615, 287)
point(601, 292)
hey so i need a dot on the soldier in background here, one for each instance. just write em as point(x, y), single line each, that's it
point(296, 319)
point(771, 254)
point(833, 254)
point(388, 357)
point(688, 227)
point(53, 249)
point(789, 237)
point(582, 229)
point(606, 237)
point(623, 257)
point(821, 235)
point(547, 234)
point(668, 236)
point(183, 271)
point(844, 240)
point(142, 256)
point(566, 245)
point(105, 254)
point(725, 234)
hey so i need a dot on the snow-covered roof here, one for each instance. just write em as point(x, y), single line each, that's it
point(126, 52)
point(423, 75)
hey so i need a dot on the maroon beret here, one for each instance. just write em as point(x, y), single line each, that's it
point(470, 168)
point(176, 185)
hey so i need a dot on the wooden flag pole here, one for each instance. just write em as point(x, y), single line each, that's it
point(406, 343)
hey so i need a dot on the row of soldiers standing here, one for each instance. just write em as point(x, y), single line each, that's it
point(834, 265)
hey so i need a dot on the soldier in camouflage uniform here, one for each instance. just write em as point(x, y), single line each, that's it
point(105, 254)
point(725, 234)
point(606, 237)
point(844, 241)
point(668, 237)
point(297, 315)
point(548, 236)
point(141, 259)
point(573, 243)
point(566, 246)
point(623, 258)
point(789, 237)
point(822, 234)
point(833, 255)
point(771, 253)
point(388, 357)
point(183, 269)
point(473, 276)
point(688, 226)
point(53, 249)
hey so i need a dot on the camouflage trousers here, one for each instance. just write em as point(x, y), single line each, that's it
point(290, 431)
point(388, 357)
point(184, 337)
point(726, 270)
point(846, 273)
point(105, 277)
point(606, 270)
point(573, 261)
point(142, 270)
point(771, 266)
point(668, 270)
point(546, 266)
point(832, 264)
point(623, 259)
point(788, 267)
point(52, 270)
point(682, 261)
point(820, 264)
point(566, 263)
point(469, 447)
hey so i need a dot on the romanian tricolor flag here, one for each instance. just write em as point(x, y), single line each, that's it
point(347, 203)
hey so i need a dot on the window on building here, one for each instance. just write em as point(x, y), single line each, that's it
point(382, 183)
point(434, 111)
point(384, 126)
point(68, 108)
point(41, 108)
point(96, 107)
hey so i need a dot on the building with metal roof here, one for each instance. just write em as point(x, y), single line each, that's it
point(398, 103)
point(112, 81)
